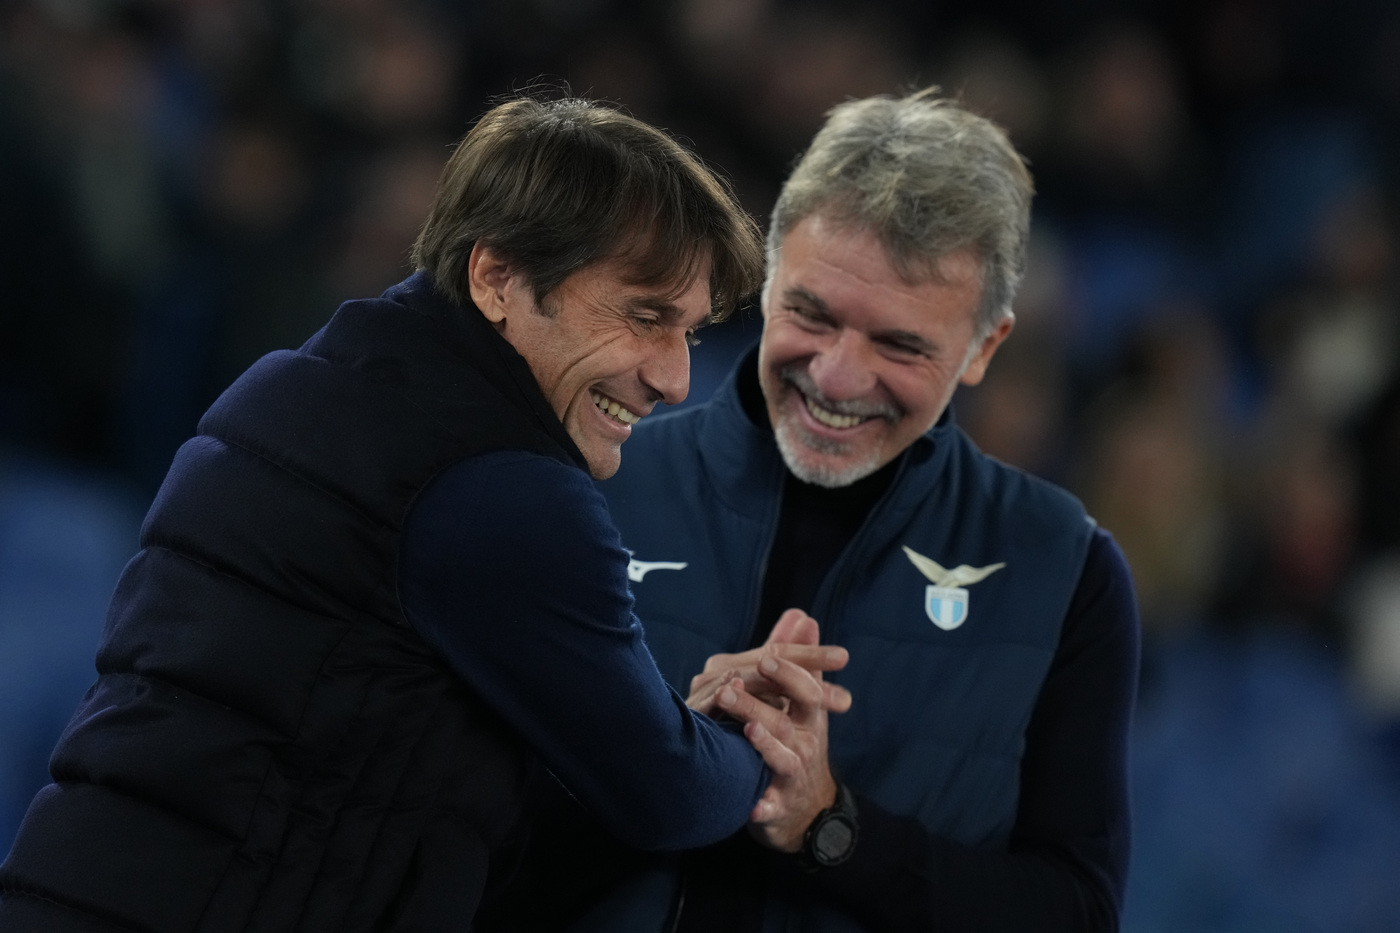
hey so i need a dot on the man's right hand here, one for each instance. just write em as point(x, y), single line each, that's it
point(794, 638)
point(791, 735)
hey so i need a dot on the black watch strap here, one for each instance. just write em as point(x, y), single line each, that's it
point(831, 839)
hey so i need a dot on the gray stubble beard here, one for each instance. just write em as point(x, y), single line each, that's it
point(793, 442)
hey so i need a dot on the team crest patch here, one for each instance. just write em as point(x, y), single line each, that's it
point(946, 606)
point(947, 601)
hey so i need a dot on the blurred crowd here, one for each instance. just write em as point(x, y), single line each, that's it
point(1207, 348)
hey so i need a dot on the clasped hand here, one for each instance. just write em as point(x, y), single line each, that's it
point(777, 691)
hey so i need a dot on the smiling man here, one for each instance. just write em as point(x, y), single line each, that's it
point(604, 350)
point(856, 361)
point(978, 781)
point(378, 601)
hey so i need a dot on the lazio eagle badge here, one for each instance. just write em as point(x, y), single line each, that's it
point(946, 601)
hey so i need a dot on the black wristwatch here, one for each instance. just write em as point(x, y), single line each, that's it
point(831, 838)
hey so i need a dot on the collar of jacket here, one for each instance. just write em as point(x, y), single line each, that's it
point(488, 352)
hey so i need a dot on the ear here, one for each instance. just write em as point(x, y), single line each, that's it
point(977, 366)
point(493, 282)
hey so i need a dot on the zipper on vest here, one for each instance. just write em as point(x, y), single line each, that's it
point(832, 591)
point(755, 598)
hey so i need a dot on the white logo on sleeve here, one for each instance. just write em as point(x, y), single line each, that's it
point(636, 569)
point(946, 602)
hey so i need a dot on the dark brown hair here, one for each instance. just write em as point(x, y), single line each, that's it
point(555, 186)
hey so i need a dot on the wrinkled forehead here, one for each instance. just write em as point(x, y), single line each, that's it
point(914, 264)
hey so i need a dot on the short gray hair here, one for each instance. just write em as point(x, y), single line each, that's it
point(928, 178)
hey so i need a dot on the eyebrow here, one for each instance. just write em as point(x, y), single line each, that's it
point(668, 310)
point(796, 293)
point(907, 337)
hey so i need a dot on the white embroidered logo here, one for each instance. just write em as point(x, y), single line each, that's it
point(636, 569)
point(946, 602)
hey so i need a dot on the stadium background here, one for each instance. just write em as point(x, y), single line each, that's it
point(1206, 346)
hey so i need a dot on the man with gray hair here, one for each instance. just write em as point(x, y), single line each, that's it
point(978, 780)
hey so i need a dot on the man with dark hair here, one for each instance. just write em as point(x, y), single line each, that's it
point(378, 596)
point(979, 780)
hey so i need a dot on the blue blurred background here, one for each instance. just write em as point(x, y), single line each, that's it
point(1206, 346)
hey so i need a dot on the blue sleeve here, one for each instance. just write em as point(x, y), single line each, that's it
point(512, 570)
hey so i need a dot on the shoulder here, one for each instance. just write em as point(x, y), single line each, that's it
point(493, 477)
point(663, 435)
point(499, 501)
point(663, 450)
point(1027, 505)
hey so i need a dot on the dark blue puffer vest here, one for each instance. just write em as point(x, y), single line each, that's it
point(268, 745)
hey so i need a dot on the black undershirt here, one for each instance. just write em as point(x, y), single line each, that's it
point(814, 526)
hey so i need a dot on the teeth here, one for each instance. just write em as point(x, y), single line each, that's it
point(831, 419)
point(608, 407)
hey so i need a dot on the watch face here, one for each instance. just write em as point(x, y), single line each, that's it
point(833, 840)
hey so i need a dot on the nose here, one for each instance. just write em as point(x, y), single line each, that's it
point(840, 369)
point(667, 370)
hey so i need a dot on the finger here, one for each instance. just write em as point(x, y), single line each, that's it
point(794, 627)
point(768, 808)
point(783, 760)
point(703, 688)
point(771, 807)
point(754, 683)
point(703, 701)
point(835, 699)
point(744, 706)
point(710, 680)
point(811, 657)
point(719, 662)
point(796, 683)
point(765, 691)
